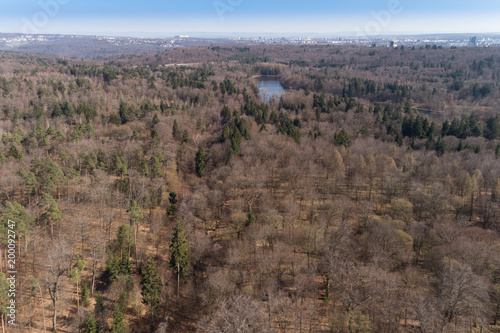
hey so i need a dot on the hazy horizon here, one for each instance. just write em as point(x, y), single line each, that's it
point(233, 17)
point(222, 35)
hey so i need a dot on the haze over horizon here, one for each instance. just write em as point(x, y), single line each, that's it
point(232, 17)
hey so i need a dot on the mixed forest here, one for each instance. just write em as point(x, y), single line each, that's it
point(154, 197)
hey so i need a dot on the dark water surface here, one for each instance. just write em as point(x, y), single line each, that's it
point(269, 86)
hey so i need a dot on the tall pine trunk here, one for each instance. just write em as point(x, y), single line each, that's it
point(43, 309)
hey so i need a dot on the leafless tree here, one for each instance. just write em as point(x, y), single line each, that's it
point(238, 313)
point(59, 255)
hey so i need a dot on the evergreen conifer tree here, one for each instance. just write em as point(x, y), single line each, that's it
point(201, 162)
point(14, 152)
point(175, 130)
point(185, 137)
point(90, 325)
point(118, 322)
point(179, 249)
point(151, 285)
point(155, 120)
point(135, 217)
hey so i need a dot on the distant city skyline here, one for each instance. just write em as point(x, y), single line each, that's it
point(156, 18)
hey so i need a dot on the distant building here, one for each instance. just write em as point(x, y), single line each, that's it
point(473, 41)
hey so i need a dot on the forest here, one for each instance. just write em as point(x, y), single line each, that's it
point(143, 196)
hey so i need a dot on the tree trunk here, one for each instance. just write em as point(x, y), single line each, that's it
point(471, 206)
point(52, 229)
point(54, 318)
point(54, 304)
point(93, 278)
point(496, 314)
point(136, 229)
point(34, 257)
point(43, 309)
point(77, 298)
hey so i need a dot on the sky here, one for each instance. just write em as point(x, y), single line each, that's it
point(164, 18)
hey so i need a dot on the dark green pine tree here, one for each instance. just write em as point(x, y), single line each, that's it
point(441, 147)
point(120, 165)
point(14, 211)
point(85, 295)
point(135, 218)
point(113, 266)
point(497, 151)
point(200, 125)
point(155, 120)
point(118, 322)
point(90, 325)
point(185, 137)
point(39, 132)
point(126, 265)
point(56, 111)
point(124, 112)
point(154, 135)
point(173, 201)
point(273, 118)
point(155, 166)
point(419, 129)
point(51, 131)
point(179, 249)
point(201, 162)
point(151, 285)
point(175, 130)
point(52, 215)
point(493, 126)
point(29, 182)
point(116, 266)
point(225, 114)
point(234, 147)
point(341, 138)
point(99, 304)
point(52, 177)
point(250, 218)
point(135, 136)
point(226, 133)
point(144, 166)
point(135, 213)
point(4, 298)
point(398, 139)
point(125, 241)
point(14, 152)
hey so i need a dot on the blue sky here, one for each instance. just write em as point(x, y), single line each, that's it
point(167, 17)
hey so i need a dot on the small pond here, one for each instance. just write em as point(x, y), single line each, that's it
point(269, 86)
